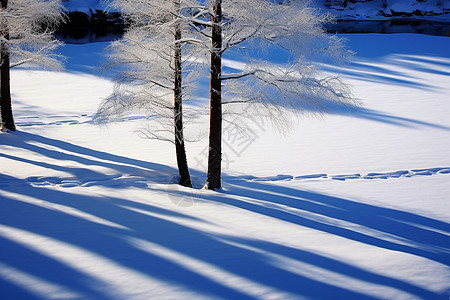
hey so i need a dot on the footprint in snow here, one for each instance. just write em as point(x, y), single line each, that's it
point(383, 175)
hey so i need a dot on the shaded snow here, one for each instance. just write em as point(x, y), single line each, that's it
point(437, 10)
point(349, 206)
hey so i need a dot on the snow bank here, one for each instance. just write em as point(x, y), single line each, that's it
point(436, 10)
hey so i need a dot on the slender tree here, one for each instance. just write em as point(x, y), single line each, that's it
point(213, 179)
point(26, 28)
point(241, 28)
point(183, 169)
point(5, 94)
point(155, 76)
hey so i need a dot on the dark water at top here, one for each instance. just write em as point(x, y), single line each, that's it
point(391, 26)
point(90, 34)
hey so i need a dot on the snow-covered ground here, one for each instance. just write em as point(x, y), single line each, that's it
point(351, 205)
point(85, 5)
point(436, 10)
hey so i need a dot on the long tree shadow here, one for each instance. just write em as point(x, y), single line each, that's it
point(372, 71)
point(396, 69)
point(353, 110)
point(378, 226)
point(125, 249)
point(149, 224)
point(364, 70)
point(99, 240)
point(210, 266)
point(125, 171)
point(86, 244)
point(371, 225)
point(247, 259)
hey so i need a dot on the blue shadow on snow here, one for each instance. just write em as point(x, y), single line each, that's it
point(124, 220)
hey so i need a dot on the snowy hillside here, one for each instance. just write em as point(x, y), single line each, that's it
point(437, 10)
point(351, 205)
point(84, 5)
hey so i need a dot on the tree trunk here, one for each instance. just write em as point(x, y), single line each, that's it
point(183, 169)
point(7, 120)
point(213, 180)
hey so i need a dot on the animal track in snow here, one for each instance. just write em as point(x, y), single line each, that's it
point(382, 175)
point(111, 181)
point(54, 120)
point(31, 121)
point(123, 181)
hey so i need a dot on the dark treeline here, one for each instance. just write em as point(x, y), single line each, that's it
point(95, 26)
point(390, 26)
point(100, 26)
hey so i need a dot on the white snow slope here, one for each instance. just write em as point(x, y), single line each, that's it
point(354, 205)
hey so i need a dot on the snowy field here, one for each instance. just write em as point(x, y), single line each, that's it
point(350, 205)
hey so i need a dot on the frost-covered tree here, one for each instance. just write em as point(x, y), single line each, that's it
point(241, 28)
point(153, 75)
point(26, 38)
